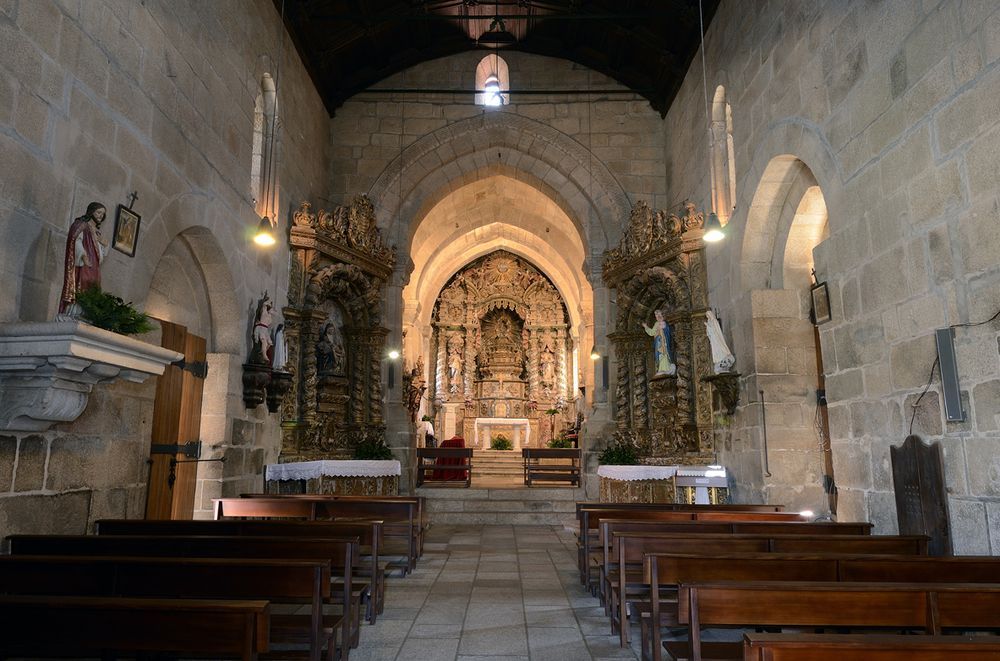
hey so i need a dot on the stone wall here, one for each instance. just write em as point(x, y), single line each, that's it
point(890, 106)
point(99, 98)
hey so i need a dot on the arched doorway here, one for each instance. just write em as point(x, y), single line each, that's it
point(787, 219)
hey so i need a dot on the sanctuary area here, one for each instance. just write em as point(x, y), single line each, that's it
point(542, 309)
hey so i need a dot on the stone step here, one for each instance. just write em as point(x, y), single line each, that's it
point(502, 506)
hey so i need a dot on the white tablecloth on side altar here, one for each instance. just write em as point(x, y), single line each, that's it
point(632, 473)
point(307, 470)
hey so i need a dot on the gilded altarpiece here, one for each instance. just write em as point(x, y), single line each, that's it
point(333, 331)
point(501, 347)
point(660, 265)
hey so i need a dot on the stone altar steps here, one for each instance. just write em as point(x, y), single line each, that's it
point(497, 463)
point(510, 505)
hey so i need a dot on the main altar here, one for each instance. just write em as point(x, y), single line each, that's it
point(501, 354)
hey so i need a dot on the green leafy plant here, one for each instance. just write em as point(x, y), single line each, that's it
point(619, 453)
point(551, 411)
point(501, 442)
point(561, 443)
point(372, 449)
point(111, 313)
point(426, 418)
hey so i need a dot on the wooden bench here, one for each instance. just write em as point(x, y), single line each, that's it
point(276, 581)
point(586, 530)
point(668, 570)
point(340, 553)
point(721, 522)
point(627, 549)
point(369, 534)
point(420, 520)
point(931, 608)
point(870, 647)
point(67, 625)
point(562, 471)
point(434, 461)
point(399, 517)
point(790, 542)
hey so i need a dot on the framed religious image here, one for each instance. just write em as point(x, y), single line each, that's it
point(820, 303)
point(126, 231)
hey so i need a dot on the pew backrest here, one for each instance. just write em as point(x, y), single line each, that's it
point(222, 628)
point(871, 647)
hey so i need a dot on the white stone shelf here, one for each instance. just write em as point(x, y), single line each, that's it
point(48, 369)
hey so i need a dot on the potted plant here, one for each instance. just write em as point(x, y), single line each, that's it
point(619, 453)
point(561, 443)
point(110, 312)
point(372, 448)
point(501, 442)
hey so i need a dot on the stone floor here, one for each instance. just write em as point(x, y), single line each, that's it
point(492, 592)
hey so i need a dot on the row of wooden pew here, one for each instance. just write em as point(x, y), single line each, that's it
point(682, 567)
point(271, 577)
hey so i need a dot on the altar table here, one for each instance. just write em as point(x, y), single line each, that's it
point(637, 484)
point(349, 477)
point(488, 423)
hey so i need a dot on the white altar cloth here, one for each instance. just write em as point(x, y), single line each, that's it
point(516, 423)
point(632, 473)
point(307, 470)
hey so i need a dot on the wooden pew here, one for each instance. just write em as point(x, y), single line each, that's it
point(427, 461)
point(422, 519)
point(66, 625)
point(399, 517)
point(276, 581)
point(565, 471)
point(626, 548)
point(670, 569)
point(369, 534)
point(931, 608)
point(789, 542)
point(582, 506)
point(737, 522)
point(870, 647)
point(340, 553)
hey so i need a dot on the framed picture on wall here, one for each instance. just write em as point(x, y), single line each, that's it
point(820, 303)
point(126, 234)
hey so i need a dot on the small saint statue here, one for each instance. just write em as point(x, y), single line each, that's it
point(722, 358)
point(280, 359)
point(660, 332)
point(263, 346)
point(85, 250)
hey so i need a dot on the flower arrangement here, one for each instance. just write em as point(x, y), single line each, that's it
point(561, 443)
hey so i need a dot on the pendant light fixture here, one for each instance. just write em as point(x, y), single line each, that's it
point(265, 234)
point(713, 229)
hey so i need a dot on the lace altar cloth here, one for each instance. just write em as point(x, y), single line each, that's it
point(633, 473)
point(307, 470)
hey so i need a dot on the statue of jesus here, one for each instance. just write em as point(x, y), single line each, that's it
point(85, 250)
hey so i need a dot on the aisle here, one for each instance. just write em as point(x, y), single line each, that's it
point(492, 592)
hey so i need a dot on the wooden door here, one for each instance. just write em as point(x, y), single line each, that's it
point(176, 421)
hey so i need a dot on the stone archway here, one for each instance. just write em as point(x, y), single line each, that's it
point(191, 285)
point(524, 148)
point(786, 220)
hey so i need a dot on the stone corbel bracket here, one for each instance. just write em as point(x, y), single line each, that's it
point(726, 387)
point(48, 369)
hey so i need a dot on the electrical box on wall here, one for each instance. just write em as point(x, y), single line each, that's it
point(945, 338)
